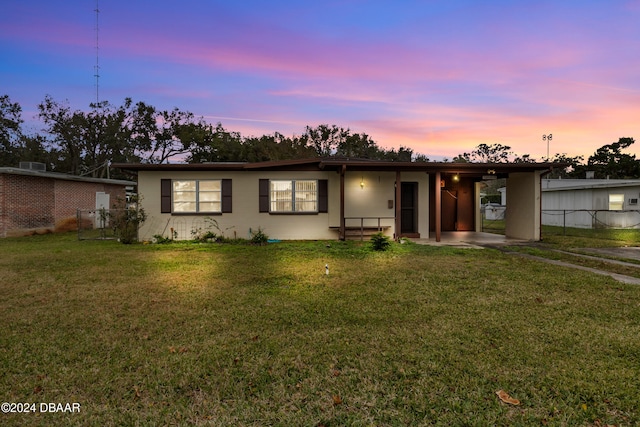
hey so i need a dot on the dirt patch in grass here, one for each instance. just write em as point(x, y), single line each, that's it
point(69, 224)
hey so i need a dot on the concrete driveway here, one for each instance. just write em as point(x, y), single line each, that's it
point(468, 239)
point(473, 240)
point(632, 253)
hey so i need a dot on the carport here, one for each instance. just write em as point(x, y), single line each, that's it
point(453, 195)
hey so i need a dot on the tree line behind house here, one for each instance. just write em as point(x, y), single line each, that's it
point(86, 142)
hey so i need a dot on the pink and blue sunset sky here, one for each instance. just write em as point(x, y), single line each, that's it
point(439, 76)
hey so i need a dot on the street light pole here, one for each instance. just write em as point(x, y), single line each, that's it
point(548, 139)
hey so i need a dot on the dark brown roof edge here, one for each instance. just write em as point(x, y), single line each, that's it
point(63, 176)
point(353, 164)
point(178, 166)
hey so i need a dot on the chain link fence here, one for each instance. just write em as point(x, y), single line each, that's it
point(493, 218)
point(95, 224)
point(567, 221)
point(591, 218)
point(601, 222)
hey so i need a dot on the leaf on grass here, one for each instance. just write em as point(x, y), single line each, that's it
point(504, 396)
point(337, 400)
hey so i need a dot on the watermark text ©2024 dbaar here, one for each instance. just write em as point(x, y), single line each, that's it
point(41, 407)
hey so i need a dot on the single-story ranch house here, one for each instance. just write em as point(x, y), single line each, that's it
point(326, 198)
point(37, 201)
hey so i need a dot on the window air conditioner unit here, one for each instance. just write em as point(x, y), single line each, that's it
point(34, 166)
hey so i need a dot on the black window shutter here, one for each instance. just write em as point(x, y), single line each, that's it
point(264, 195)
point(226, 196)
point(165, 196)
point(323, 195)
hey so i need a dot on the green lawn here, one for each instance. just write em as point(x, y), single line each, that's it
point(240, 335)
point(584, 237)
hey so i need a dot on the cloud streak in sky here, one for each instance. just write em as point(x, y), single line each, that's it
point(439, 77)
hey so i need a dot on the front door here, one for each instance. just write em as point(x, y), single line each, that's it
point(409, 208)
point(449, 219)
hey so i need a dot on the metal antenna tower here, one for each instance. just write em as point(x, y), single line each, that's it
point(97, 66)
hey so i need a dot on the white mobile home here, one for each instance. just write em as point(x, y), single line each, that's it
point(591, 203)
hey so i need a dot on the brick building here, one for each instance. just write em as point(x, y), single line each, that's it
point(34, 201)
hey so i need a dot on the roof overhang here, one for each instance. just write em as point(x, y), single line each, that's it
point(473, 170)
point(552, 185)
point(63, 176)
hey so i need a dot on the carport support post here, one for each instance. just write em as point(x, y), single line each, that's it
point(438, 209)
point(524, 208)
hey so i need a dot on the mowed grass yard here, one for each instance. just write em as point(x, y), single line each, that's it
point(240, 335)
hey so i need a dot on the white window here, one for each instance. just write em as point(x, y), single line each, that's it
point(616, 202)
point(197, 195)
point(293, 196)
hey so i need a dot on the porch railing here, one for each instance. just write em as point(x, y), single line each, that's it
point(365, 223)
